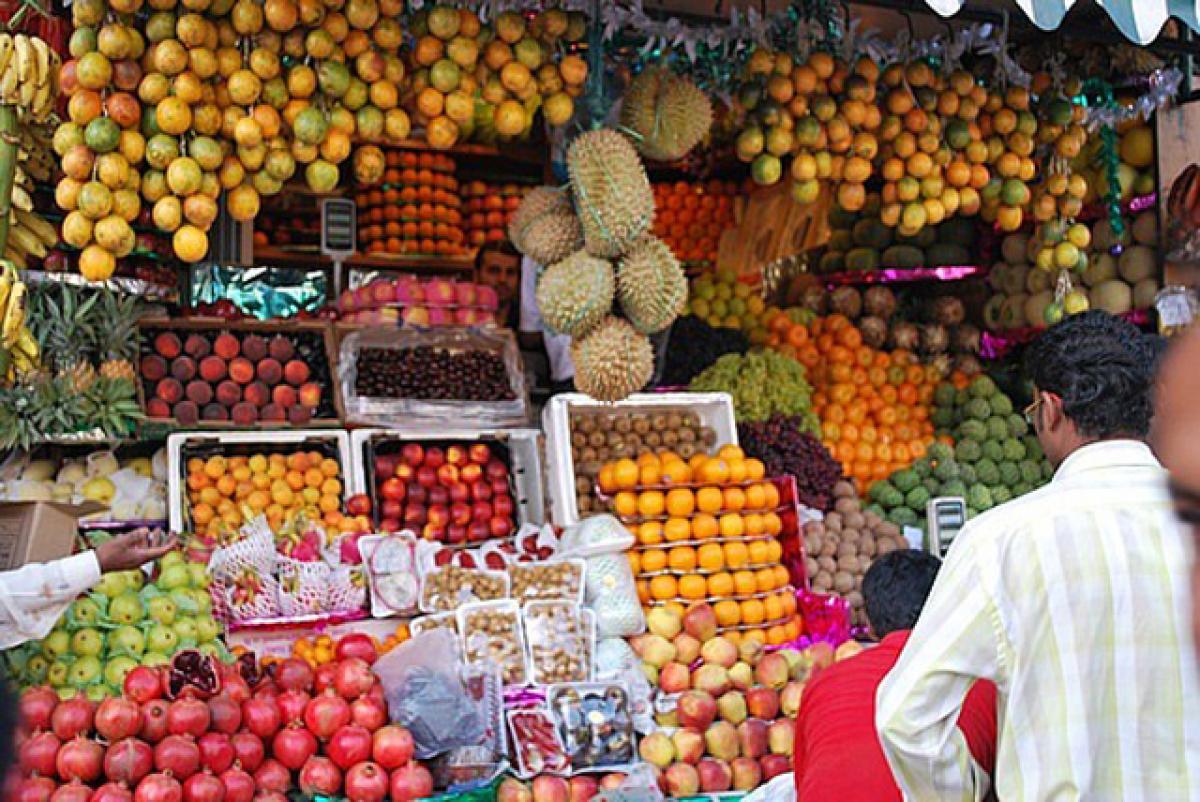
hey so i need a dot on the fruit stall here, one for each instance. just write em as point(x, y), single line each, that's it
point(280, 278)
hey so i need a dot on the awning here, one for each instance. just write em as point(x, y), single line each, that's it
point(1139, 20)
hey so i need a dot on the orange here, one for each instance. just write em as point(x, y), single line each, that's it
point(683, 558)
point(704, 526)
point(651, 503)
point(680, 502)
point(709, 499)
point(692, 586)
point(764, 578)
point(733, 636)
point(789, 603)
point(744, 583)
point(720, 584)
point(773, 608)
point(202, 514)
point(782, 577)
point(731, 451)
point(329, 467)
point(736, 554)
point(771, 524)
point(776, 635)
point(647, 458)
point(650, 532)
point(295, 480)
point(625, 474)
point(754, 524)
point(607, 478)
point(715, 471)
point(760, 552)
point(677, 529)
point(214, 468)
point(643, 591)
point(774, 551)
point(653, 561)
point(711, 557)
point(625, 504)
point(734, 499)
point(756, 497)
point(732, 525)
point(676, 472)
point(729, 613)
point(663, 587)
point(650, 475)
point(737, 470)
point(635, 562)
point(752, 611)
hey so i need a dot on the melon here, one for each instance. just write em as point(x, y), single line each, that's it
point(1012, 312)
point(1136, 263)
point(1013, 248)
point(1144, 293)
point(1035, 307)
point(1145, 229)
point(1114, 297)
point(1101, 269)
point(1037, 280)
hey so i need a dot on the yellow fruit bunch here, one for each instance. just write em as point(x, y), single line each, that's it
point(485, 83)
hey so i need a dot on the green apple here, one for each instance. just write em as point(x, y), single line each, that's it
point(87, 643)
point(65, 692)
point(36, 668)
point(198, 572)
point(207, 628)
point(172, 558)
point(97, 692)
point(56, 675)
point(153, 659)
point(136, 578)
point(116, 668)
point(128, 640)
point(56, 644)
point(173, 576)
point(113, 584)
point(162, 610)
point(185, 628)
point(127, 608)
point(84, 671)
point(184, 600)
point(85, 612)
point(162, 639)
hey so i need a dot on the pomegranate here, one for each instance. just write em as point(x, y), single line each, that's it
point(353, 678)
point(154, 720)
point(203, 787)
point(128, 761)
point(292, 704)
point(323, 677)
point(235, 686)
point(38, 752)
point(325, 713)
point(367, 712)
point(142, 684)
point(349, 745)
point(188, 716)
point(376, 695)
point(34, 789)
point(194, 673)
point(293, 674)
point(270, 796)
point(261, 716)
point(112, 792)
point(366, 782)
point(36, 707)
point(239, 786)
point(225, 715)
point(74, 791)
point(392, 746)
point(118, 718)
point(320, 776)
point(411, 781)
point(357, 645)
point(248, 750)
point(216, 751)
point(159, 788)
point(272, 776)
point(79, 758)
point(72, 717)
point(177, 754)
point(293, 745)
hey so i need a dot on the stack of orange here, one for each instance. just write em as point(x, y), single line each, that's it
point(874, 405)
point(706, 531)
point(691, 217)
point(321, 649)
point(488, 210)
point(415, 210)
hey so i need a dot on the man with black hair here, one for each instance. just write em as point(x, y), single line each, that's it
point(1073, 599)
point(837, 754)
point(498, 265)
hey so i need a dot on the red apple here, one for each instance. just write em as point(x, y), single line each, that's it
point(415, 515)
point(481, 511)
point(496, 469)
point(500, 527)
point(448, 475)
point(405, 472)
point(435, 458)
point(426, 476)
point(715, 775)
point(392, 489)
point(762, 703)
point(481, 491)
point(417, 494)
point(456, 533)
point(390, 524)
point(439, 495)
point(774, 765)
point(478, 531)
point(431, 532)
point(413, 454)
point(502, 503)
point(480, 454)
point(460, 492)
point(439, 516)
point(470, 473)
point(359, 504)
point(460, 513)
point(456, 456)
point(499, 486)
point(385, 464)
point(746, 773)
point(583, 787)
point(391, 508)
point(752, 735)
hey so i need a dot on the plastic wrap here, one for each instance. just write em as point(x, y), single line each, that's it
point(612, 594)
point(639, 785)
point(428, 623)
point(560, 642)
point(303, 586)
point(599, 534)
point(595, 724)
point(446, 588)
point(386, 411)
point(491, 633)
point(391, 569)
point(547, 581)
point(537, 747)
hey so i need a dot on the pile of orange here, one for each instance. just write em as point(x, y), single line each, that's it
point(874, 405)
point(416, 210)
point(706, 531)
point(321, 649)
point(691, 217)
point(488, 209)
point(224, 491)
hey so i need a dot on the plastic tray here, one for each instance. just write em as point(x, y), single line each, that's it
point(715, 410)
point(334, 441)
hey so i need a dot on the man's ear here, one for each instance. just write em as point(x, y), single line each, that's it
point(1051, 410)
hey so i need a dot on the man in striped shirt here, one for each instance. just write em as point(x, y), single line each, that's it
point(1072, 599)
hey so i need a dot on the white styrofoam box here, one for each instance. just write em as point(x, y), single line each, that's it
point(277, 640)
point(524, 457)
point(238, 441)
point(715, 410)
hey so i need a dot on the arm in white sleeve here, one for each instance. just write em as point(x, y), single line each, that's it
point(531, 316)
point(34, 596)
point(917, 704)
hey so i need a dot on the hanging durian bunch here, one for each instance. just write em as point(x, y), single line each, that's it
point(667, 114)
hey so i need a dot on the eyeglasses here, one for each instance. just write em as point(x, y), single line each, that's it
point(1031, 410)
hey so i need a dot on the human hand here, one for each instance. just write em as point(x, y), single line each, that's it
point(131, 550)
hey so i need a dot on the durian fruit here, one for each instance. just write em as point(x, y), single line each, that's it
point(538, 202)
point(612, 193)
point(575, 293)
point(544, 227)
point(613, 361)
point(651, 285)
point(669, 114)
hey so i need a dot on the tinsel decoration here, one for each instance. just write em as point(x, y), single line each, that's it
point(1098, 95)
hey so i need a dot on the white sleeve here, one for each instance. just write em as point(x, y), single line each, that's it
point(34, 596)
point(531, 317)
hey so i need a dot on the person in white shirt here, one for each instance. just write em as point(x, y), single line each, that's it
point(1072, 599)
point(34, 596)
point(558, 346)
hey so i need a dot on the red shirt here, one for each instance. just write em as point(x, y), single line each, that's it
point(837, 753)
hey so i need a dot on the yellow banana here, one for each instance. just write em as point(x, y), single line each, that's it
point(21, 198)
point(28, 90)
point(10, 83)
point(41, 104)
point(27, 345)
point(14, 316)
point(26, 63)
point(41, 52)
point(26, 240)
point(43, 230)
point(8, 277)
point(6, 50)
point(15, 256)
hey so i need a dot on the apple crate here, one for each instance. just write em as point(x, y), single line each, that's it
point(519, 449)
point(313, 345)
point(182, 446)
point(713, 410)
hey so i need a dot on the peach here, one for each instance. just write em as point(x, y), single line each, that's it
point(169, 390)
point(583, 788)
point(741, 676)
point(241, 370)
point(257, 394)
point(821, 654)
point(280, 348)
point(657, 651)
point(750, 650)
point(157, 408)
point(550, 789)
point(674, 678)
point(309, 395)
point(254, 348)
point(774, 765)
point(687, 648)
point(185, 412)
point(226, 346)
point(715, 775)
point(269, 371)
point(700, 622)
point(682, 780)
point(721, 740)
point(752, 734)
point(513, 790)
point(847, 650)
point(668, 720)
point(214, 412)
point(612, 781)
point(154, 367)
point(719, 651)
point(409, 292)
point(229, 393)
point(244, 413)
point(689, 745)
point(464, 294)
point(663, 622)
point(762, 703)
point(196, 346)
point(781, 737)
point(789, 698)
point(772, 671)
point(696, 709)
point(732, 707)
point(284, 395)
point(212, 368)
point(746, 774)
point(183, 368)
point(657, 749)
point(299, 415)
point(296, 372)
point(198, 392)
point(383, 292)
point(167, 345)
point(711, 678)
point(273, 413)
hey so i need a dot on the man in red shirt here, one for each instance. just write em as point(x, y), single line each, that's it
point(837, 753)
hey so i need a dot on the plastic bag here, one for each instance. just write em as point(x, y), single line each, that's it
point(600, 534)
point(781, 788)
point(425, 694)
point(612, 595)
point(639, 785)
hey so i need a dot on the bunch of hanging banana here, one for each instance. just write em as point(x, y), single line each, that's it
point(28, 74)
point(29, 234)
point(19, 353)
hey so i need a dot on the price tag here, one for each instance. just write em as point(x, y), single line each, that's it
point(338, 227)
point(1173, 308)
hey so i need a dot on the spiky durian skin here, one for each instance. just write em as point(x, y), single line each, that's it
point(651, 285)
point(669, 114)
point(551, 238)
point(539, 202)
point(576, 293)
point(613, 361)
point(612, 194)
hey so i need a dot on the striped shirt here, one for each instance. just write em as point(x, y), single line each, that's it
point(1074, 600)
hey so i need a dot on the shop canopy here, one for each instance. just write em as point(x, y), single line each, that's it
point(1139, 20)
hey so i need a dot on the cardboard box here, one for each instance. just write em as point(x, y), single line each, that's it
point(39, 531)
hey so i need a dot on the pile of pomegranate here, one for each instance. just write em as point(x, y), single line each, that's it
point(324, 731)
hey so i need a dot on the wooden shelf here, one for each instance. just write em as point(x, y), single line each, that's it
point(434, 265)
point(523, 152)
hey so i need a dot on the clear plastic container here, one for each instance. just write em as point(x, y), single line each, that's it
point(491, 632)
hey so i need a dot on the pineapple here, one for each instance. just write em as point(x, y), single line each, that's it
point(80, 375)
point(118, 369)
